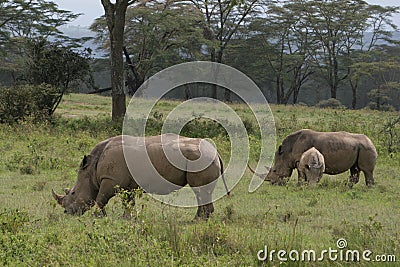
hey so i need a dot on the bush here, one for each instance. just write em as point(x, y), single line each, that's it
point(384, 107)
point(24, 102)
point(330, 103)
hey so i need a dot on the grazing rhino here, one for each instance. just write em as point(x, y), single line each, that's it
point(311, 166)
point(105, 169)
point(342, 151)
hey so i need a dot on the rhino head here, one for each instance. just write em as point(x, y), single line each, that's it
point(314, 173)
point(282, 168)
point(79, 199)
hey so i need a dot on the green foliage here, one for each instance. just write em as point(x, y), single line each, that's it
point(280, 217)
point(56, 64)
point(391, 129)
point(27, 102)
point(21, 21)
point(330, 103)
point(13, 221)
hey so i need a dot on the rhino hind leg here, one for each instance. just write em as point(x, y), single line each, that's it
point(369, 178)
point(204, 211)
point(204, 200)
point(354, 175)
point(366, 163)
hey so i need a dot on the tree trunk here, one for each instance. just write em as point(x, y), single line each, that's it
point(354, 87)
point(335, 77)
point(188, 95)
point(213, 86)
point(333, 91)
point(296, 93)
point(278, 91)
point(227, 91)
point(135, 82)
point(115, 17)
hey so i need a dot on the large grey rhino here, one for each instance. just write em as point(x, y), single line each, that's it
point(342, 151)
point(105, 168)
point(311, 166)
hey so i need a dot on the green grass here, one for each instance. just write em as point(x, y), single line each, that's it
point(36, 158)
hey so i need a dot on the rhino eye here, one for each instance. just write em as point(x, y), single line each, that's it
point(73, 193)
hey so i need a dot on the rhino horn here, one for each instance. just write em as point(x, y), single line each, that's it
point(261, 175)
point(57, 197)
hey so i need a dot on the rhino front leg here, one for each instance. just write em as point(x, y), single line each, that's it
point(128, 204)
point(301, 177)
point(106, 192)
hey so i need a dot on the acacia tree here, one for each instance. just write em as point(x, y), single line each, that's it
point(340, 28)
point(223, 19)
point(56, 65)
point(21, 21)
point(377, 29)
point(115, 17)
point(157, 35)
point(381, 71)
point(287, 42)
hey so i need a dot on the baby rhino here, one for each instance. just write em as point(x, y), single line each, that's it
point(311, 166)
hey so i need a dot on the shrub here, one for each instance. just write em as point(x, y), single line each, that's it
point(24, 102)
point(330, 103)
point(384, 107)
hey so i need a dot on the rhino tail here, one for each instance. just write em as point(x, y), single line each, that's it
point(223, 176)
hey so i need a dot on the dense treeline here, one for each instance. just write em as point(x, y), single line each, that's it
point(296, 51)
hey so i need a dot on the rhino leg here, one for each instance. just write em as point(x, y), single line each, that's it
point(368, 170)
point(301, 177)
point(204, 211)
point(128, 204)
point(366, 163)
point(369, 178)
point(106, 192)
point(354, 175)
point(204, 201)
point(99, 212)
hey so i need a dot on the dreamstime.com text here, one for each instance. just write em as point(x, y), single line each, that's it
point(332, 254)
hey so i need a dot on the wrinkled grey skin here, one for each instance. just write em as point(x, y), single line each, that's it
point(342, 151)
point(105, 168)
point(311, 166)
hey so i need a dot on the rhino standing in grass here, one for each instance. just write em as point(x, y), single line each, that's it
point(311, 166)
point(105, 169)
point(342, 151)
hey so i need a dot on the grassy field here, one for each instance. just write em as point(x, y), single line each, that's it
point(38, 157)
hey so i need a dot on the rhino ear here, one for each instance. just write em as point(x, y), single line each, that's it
point(85, 161)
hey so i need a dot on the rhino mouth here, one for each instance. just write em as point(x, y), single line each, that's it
point(78, 211)
point(280, 181)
